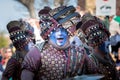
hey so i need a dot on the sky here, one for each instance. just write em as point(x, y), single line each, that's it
point(10, 10)
point(13, 10)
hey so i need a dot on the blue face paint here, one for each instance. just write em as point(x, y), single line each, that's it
point(59, 36)
point(104, 47)
point(29, 46)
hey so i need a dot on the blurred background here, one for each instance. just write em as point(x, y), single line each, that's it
point(27, 9)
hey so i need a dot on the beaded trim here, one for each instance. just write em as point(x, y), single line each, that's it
point(17, 35)
point(26, 42)
point(64, 16)
point(22, 45)
point(47, 27)
point(16, 32)
point(95, 35)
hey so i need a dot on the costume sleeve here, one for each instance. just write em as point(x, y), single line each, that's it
point(10, 68)
point(27, 75)
point(32, 60)
point(91, 68)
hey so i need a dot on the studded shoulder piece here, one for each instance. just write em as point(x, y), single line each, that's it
point(40, 46)
point(63, 12)
point(92, 56)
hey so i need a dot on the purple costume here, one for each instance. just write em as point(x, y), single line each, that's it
point(21, 37)
point(53, 64)
point(48, 61)
point(97, 37)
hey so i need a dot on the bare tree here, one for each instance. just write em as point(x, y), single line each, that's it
point(58, 3)
point(66, 2)
point(82, 4)
point(46, 1)
point(29, 4)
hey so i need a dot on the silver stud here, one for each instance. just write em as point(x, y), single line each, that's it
point(17, 37)
point(51, 32)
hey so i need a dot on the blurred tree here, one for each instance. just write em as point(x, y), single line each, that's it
point(46, 1)
point(82, 4)
point(58, 3)
point(3, 40)
point(29, 4)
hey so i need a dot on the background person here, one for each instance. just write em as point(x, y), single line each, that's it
point(55, 59)
point(97, 37)
point(22, 38)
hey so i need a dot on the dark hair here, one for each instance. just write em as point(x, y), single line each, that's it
point(116, 47)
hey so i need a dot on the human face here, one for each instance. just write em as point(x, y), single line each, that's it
point(104, 47)
point(29, 46)
point(59, 36)
point(8, 53)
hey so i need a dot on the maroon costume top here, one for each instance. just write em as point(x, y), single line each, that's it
point(97, 37)
point(48, 60)
point(13, 68)
point(52, 64)
point(20, 35)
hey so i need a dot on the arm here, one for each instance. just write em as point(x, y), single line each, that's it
point(114, 28)
point(118, 30)
point(90, 66)
point(10, 69)
point(30, 64)
point(4, 78)
point(27, 75)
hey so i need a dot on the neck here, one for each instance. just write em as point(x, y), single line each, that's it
point(98, 52)
point(67, 44)
point(21, 53)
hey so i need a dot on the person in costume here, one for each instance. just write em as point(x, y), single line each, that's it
point(115, 50)
point(56, 59)
point(97, 36)
point(22, 38)
point(114, 27)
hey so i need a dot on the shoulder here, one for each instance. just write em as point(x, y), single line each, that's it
point(32, 60)
point(113, 22)
point(34, 52)
point(76, 41)
point(40, 46)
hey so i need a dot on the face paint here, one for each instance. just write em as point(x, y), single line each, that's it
point(104, 47)
point(59, 36)
point(29, 46)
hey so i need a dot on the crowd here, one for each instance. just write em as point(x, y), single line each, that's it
point(62, 45)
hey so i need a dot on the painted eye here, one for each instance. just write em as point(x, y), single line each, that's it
point(42, 24)
point(57, 30)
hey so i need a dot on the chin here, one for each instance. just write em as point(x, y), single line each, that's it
point(60, 45)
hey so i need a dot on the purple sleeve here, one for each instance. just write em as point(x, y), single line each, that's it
point(91, 67)
point(10, 68)
point(32, 60)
